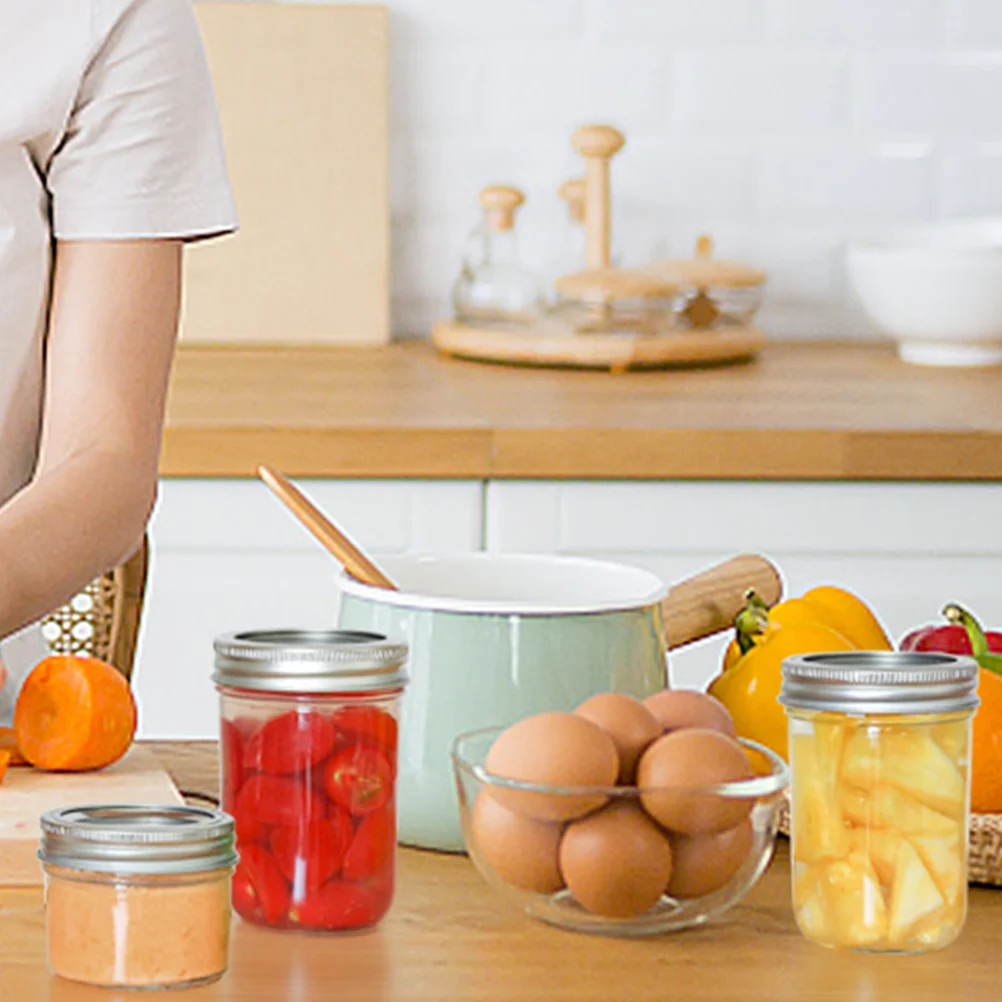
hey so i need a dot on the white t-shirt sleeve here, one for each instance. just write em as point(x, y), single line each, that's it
point(142, 156)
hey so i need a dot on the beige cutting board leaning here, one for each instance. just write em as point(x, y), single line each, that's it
point(26, 794)
point(303, 97)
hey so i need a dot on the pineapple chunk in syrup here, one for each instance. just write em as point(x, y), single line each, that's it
point(944, 859)
point(886, 807)
point(907, 759)
point(880, 845)
point(819, 831)
point(853, 902)
point(916, 902)
point(878, 841)
point(954, 738)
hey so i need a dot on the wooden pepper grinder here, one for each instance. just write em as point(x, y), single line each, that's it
point(598, 144)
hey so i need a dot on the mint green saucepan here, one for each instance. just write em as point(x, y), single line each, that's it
point(494, 638)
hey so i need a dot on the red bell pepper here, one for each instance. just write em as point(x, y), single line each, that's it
point(963, 635)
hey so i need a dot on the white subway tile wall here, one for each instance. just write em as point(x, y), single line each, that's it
point(783, 127)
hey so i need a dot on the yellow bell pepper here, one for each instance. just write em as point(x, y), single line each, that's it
point(749, 686)
point(850, 617)
point(826, 605)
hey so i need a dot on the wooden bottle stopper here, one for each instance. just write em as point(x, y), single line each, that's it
point(598, 144)
point(573, 193)
point(501, 203)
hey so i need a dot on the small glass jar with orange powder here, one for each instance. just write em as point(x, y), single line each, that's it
point(137, 897)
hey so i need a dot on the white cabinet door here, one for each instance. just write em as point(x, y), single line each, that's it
point(227, 556)
point(907, 549)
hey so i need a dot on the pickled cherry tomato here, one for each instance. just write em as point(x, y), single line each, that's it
point(373, 847)
point(246, 822)
point(231, 751)
point(359, 779)
point(311, 793)
point(259, 889)
point(309, 855)
point(279, 800)
point(290, 743)
point(338, 905)
point(368, 724)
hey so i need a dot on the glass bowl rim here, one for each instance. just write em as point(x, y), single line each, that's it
point(774, 782)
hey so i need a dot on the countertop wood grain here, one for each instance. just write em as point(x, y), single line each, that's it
point(449, 937)
point(800, 411)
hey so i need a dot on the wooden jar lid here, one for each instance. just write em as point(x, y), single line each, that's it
point(501, 202)
point(601, 141)
point(573, 193)
point(707, 272)
point(604, 285)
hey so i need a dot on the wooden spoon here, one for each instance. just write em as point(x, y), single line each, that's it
point(354, 561)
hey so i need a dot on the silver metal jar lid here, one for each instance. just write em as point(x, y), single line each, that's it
point(135, 840)
point(303, 661)
point(880, 682)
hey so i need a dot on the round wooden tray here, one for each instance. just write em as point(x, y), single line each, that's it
point(616, 352)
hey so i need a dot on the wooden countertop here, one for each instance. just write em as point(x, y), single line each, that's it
point(449, 937)
point(801, 411)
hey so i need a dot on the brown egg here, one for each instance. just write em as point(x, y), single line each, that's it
point(616, 862)
point(690, 760)
point(558, 749)
point(522, 850)
point(628, 722)
point(677, 708)
point(705, 863)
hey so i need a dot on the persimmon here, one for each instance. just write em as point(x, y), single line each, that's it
point(986, 746)
point(8, 743)
point(4, 762)
point(74, 714)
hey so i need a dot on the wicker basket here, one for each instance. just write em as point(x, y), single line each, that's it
point(102, 621)
point(984, 859)
point(984, 849)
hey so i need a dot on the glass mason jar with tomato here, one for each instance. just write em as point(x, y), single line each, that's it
point(308, 761)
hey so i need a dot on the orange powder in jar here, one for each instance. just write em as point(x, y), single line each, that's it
point(137, 897)
point(137, 932)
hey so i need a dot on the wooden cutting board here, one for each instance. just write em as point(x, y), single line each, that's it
point(26, 793)
point(303, 98)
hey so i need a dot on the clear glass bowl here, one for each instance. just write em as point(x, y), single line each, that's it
point(764, 794)
point(638, 316)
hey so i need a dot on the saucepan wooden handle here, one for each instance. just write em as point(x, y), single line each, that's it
point(708, 602)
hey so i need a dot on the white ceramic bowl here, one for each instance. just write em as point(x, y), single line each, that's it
point(936, 289)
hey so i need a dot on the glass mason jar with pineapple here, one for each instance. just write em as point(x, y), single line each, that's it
point(879, 757)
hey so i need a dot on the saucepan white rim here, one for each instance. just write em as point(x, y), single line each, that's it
point(546, 585)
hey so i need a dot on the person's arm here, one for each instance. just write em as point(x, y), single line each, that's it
point(111, 339)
